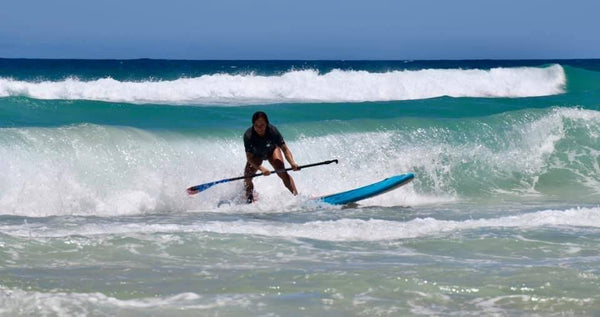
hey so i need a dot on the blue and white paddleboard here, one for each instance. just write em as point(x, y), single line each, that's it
point(368, 191)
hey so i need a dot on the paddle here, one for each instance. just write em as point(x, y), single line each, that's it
point(198, 188)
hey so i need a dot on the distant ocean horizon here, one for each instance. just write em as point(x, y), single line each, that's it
point(502, 218)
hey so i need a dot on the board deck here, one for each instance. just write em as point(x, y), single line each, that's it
point(368, 191)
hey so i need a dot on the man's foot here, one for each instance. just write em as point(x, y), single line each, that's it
point(249, 199)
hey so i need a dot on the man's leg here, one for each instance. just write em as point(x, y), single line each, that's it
point(276, 160)
point(248, 185)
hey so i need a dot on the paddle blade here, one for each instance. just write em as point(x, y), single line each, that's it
point(198, 188)
point(202, 187)
point(191, 191)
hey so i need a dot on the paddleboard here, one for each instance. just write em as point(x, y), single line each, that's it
point(368, 191)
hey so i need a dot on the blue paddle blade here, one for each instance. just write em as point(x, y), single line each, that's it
point(198, 188)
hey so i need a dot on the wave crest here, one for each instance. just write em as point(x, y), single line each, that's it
point(304, 86)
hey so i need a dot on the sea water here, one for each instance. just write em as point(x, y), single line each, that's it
point(502, 218)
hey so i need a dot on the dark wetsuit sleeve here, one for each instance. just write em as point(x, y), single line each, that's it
point(247, 143)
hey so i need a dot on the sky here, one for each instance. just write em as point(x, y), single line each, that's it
point(300, 29)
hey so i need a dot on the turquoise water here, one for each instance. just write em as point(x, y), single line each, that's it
point(502, 217)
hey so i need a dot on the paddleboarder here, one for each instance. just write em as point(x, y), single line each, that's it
point(262, 141)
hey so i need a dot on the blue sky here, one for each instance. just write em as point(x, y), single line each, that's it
point(308, 29)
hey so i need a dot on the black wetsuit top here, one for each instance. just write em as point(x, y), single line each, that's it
point(263, 146)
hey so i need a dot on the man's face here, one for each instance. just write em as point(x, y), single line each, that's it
point(260, 126)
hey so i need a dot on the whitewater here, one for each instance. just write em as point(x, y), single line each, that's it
point(502, 217)
point(302, 86)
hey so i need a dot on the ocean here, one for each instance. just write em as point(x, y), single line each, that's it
point(502, 218)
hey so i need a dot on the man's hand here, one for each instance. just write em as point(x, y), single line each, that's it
point(265, 171)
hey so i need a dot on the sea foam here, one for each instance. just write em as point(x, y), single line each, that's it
point(303, 86)
point(345, 229)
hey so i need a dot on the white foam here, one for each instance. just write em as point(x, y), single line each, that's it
point(20, 302)
point(95, 170)
point(333, 230)
point(304, 86)
point(375, 230)
point(105, 171)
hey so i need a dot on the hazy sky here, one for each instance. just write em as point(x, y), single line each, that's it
point(307, 29)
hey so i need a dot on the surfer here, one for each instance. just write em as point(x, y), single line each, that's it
point(262, 141)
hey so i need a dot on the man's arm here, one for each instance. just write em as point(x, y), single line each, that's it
point(289, 157)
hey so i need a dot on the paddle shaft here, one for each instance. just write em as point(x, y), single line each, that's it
point(285, 170)
point(198, 188)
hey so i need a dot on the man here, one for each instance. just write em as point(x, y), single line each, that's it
point(262, 141)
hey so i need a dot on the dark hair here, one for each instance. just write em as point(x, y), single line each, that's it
point(259, 114)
